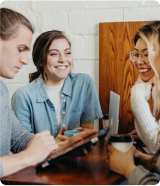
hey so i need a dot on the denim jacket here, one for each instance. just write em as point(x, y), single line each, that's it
point(79, 104)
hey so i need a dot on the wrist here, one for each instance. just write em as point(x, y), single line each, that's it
point(153, 163)
point(129, 170)
point(27, 160)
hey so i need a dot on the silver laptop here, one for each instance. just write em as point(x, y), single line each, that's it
point(113, 113)
point(114, 119)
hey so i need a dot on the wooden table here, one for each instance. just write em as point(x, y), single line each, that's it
point(86, 170)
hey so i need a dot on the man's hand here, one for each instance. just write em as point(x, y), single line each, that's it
point(42, 145)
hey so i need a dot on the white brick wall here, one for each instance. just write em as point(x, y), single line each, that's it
point(80, 21)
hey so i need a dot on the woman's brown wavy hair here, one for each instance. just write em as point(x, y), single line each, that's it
point(40, 51)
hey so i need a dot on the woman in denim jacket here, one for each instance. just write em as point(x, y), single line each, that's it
point(55, 97)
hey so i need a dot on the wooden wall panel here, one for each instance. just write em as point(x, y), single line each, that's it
point(116, 72)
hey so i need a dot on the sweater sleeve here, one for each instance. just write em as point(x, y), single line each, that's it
point(1, 170)
point(146, 126)
point(158, 164)
point(141, 176)
point(18, 136)
point(22, 108)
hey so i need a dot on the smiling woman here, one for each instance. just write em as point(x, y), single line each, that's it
point(56, 97)
point(139, 57)
point(59, 62)
point(147, 125)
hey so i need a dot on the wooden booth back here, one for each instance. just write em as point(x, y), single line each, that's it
point(116, 71)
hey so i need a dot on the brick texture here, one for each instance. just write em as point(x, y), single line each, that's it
point(80, 21)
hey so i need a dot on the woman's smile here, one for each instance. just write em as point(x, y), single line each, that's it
point(62, 67)
point(144, 70)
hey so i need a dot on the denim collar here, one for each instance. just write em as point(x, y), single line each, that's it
point(41, 93)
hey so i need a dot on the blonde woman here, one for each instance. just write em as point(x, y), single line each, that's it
point(147, 125)
point(123, 163)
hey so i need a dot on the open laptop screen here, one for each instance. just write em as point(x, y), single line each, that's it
point(113, 113)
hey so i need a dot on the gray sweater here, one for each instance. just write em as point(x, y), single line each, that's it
point(13, 136)
point(141, 176)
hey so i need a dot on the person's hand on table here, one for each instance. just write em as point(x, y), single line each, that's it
point(147, 161)
point(42, 145)
point(134, 134)
point(143, 159)
point(76, 138)
point(122, 163)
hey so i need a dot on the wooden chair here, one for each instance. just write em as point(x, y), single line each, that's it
point(116, 71)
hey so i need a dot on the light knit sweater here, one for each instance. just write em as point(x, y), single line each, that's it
point(13, 136)
point(148, 129)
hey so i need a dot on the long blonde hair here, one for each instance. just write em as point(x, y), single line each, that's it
point(150, 39)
